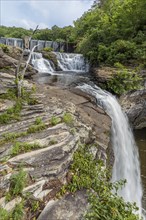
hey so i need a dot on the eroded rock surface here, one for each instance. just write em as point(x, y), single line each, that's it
point(134, 104)
point(47, 166)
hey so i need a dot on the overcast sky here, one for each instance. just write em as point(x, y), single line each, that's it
point(45, 13)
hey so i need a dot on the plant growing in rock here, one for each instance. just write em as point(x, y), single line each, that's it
point(104, 202)
point(17, 184)
point(124, 80)
point(55, 120)
point(20, 73)
point(68, 118)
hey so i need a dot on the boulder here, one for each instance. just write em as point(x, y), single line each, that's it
point(134, 105)
point(70, 207)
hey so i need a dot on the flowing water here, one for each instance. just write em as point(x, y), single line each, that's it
point(126, 164)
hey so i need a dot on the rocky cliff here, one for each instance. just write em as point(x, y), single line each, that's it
point(37, 144)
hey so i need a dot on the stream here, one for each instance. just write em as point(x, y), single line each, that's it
point(127, 165)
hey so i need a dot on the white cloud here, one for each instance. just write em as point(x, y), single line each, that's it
point(46, 13)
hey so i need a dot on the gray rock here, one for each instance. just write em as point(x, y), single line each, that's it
point(134, 105)
point(70, 207)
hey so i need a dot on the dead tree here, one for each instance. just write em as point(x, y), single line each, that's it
point(19, 74)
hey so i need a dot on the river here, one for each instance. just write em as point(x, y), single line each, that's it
point(69, 78)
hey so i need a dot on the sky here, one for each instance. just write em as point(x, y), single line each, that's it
point(45, 13)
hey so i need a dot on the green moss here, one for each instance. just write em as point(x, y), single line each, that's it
point(23, 147)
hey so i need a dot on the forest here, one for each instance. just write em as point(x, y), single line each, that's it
point(110, 32)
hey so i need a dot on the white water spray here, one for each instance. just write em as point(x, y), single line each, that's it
point(126, 164)
point(72, 62)
point(41, 64)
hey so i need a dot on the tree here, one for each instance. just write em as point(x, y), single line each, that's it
point(20, 73)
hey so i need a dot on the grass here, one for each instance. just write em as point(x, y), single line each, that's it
point(17, 183)
point(53, 141)
point(12, 113)
point(15, 214)
point(68, 119)
point(38, 126)
point(55, 120)
point(19, 148)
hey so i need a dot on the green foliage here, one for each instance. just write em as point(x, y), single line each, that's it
point(38, 121)
point(12, 136)
point(55, 120)
point(90, 174)
point(48, 49)
point(23, 147)
point(17, 183)
point(36, 128)
point(124, 80)
point(53, 141)
point(68, 118)
point(16, 214)
point(112, 32)
point(11, 114)
point(4, 215)
point(10, 94)
point(4, 48)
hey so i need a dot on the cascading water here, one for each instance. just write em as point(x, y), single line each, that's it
point(126, 164)
point(41, 64)
point(66, 62)
point(72, 62)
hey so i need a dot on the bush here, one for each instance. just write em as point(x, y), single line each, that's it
point(17, 183)
point(48, 49)
point(121, 51)
point(4, 48)
point(104, 203)
point(124, 80)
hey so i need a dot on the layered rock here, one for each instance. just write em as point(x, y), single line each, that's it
point(47, 166)
point(134, 104)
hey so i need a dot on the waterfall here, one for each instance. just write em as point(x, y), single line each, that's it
point(126, 164)
point(72, 62)
point(41, 64)
point(66, 62)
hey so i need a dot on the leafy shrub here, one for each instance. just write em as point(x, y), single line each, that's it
point(17, 183)
point(124, 81)
point(104, 202)
point(4, 48)
point(68, 118)
point(48, 49)
point(121, 51)
point(55, 120)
